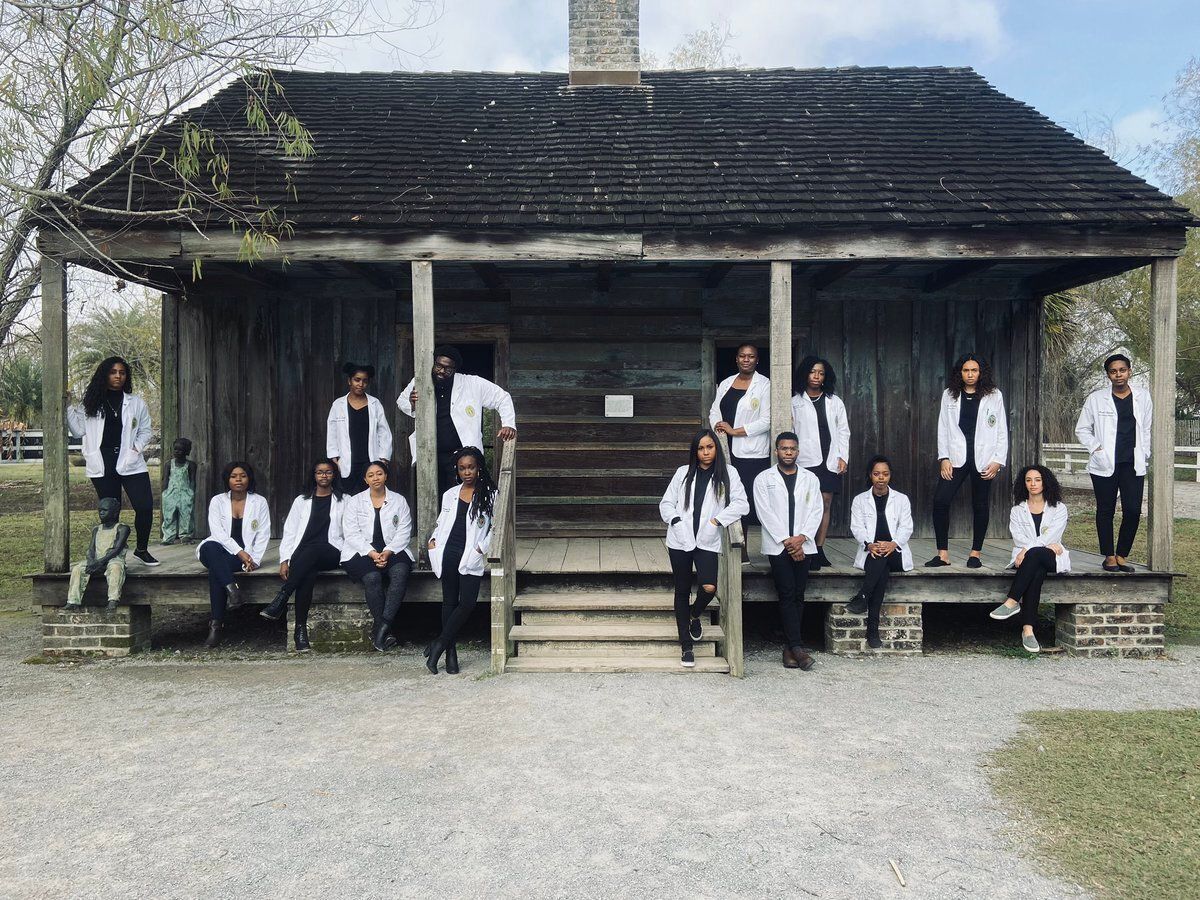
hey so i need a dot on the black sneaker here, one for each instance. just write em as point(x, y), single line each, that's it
point(301, 637)
point(857, 605)
point(146, 558)
point(695, 629)
point(688, 660)
point(873, 640)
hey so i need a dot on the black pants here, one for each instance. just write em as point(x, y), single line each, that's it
point(355, 482)
point(383, 588)
point(748, 470)
point(1130, 486)
point(791, 578)
point(447, 473)
point(876, 572)
point(460, 594)
point(221, 565)
point(137, 489)
point(1027, 586)
point(943, 496)
point(303, 567)
point(682, 561)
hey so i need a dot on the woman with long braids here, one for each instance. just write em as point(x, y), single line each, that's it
point(458, 550)
point(114, 423)
point(357, 431)
point(704, 496)
point(823, 429)
point(312, 543)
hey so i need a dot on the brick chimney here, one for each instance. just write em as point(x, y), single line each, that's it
point(604, 42)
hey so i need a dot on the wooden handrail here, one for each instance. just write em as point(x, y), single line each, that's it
point(502, 555)
point(729, 587)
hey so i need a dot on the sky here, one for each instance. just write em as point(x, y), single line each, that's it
point(1076, 61)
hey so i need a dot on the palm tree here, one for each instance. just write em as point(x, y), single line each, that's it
point(20, 391)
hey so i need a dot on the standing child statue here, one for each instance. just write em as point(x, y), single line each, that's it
point(179, 494)
point(106, 554)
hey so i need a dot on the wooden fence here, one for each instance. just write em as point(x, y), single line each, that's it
point(1072, 458)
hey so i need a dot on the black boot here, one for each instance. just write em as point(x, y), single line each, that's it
point(214, 634)
point(432, 654)
point(379, 637)
point(857, 605)
point(277, 608)
point(234, 593)
point(452, 659)
point(301, 637)
point(873, 639)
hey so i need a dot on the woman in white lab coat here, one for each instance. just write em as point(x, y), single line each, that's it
point(741, 410)
point(882, 524)
point(1037, 522)
point(458, 550)
point(357, 430)
point(823, 428)
point(704, 496)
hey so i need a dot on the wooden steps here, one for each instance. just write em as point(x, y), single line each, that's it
point(616, 665)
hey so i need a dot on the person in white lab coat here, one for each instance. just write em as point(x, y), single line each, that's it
point(823, 429)
point(972, 442)
point(458, 550)
point(881, 521)
point(741, 410)
point(460, 400)
point(788, 498)
point(239, 526)
point(1037, 522)
point(357, 430)
point(312, 543)
point(704, 496)
point(114, 423)
point(1115, 426)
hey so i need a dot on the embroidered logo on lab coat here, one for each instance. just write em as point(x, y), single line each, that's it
point(254, 524)
point(396, 519)
point(134, 425)
point(992, 421)
point(754, 404)
point(470, 411)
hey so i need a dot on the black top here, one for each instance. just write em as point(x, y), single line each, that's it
point(316, 532)
point(822, 427)
point(729, 403)
point(377, 542)
point(360, 423)
point(457, 541)
point(1037, 522)
point(704, 478)
point(1126, 429)
point(235, 532)
point(447, 435)
point(789, 482)
point(882, 531)
point(968, 415)
point(110, 409)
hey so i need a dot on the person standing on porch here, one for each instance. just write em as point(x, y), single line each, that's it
point(741, 410)
point(461, 400)
point(114, 423)
point(820, 421)
point(1115, 426)
point(788, 500)
point(704, 496)
point(882, 524)
point(357, 431)
point(972, 441)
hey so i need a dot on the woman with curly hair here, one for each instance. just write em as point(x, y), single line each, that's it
point(972, 445)
point(820, 422)
point(357, 431)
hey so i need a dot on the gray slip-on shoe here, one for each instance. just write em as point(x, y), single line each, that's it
point(1004, 611)
point(1030, 643)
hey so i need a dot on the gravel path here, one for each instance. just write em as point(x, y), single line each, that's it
point(363, 776)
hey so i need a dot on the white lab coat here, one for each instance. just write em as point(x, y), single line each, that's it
point(991, 432)
point(358, 525)
point(898, 511)
point(469, 397)
point(753, 413)
point(726, 510)
point(771, 505)
point(337, 433)
point(135, 436)
point(297, 521)
point(1054, 523)
point(804, 422)
point(478, 537)
point(256, 525)
point(1097, 430)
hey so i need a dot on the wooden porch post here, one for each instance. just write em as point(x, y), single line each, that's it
point(55, 471)
point(781, 349)
point(169, 414)
point(1163, 336)
point(426, 418)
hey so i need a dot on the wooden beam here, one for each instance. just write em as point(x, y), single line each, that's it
point(827, 275)
point(1074, 274)
point(708, 390)
point(378, 276)
point(716, 274)
point(426, 418)
point(604, 277)
point(168, 414)
point(781, 350)
point(1163, 337)
point(55, 470)
point(953, 273)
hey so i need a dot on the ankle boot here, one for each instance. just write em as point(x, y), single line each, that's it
point(379, 637)
point(432, 654)
point(234, 593)
point(214, 634)
point(452, 659)
point(277, 608)
point(301, 637)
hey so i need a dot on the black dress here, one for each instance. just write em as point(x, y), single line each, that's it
point(831, 482)
point(360, 425)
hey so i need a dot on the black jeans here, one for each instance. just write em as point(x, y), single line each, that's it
point(447, 473)
point(221, 565)
point(748, 470)
point(943, 496)
point(460, 594)
point(303, 568)
point(1027, 586)
point(1130, 486)
point(877, 570)
point(137, 489)
point(383, 588)
point(791, 578)
point(682, 561)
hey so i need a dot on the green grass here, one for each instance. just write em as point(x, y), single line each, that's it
point(1111, 797)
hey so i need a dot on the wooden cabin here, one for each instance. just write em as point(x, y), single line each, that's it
point(609, 233)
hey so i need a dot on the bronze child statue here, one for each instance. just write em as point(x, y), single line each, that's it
point(106, 553)
point(178, 494)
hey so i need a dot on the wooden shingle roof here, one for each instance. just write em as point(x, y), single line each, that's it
point(730, 149)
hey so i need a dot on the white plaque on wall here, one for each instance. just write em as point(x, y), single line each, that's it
point(618, 406)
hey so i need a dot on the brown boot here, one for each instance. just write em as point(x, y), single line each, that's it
point(803, 660)
point(789, 659)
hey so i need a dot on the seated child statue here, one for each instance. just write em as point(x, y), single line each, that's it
point(106, 554)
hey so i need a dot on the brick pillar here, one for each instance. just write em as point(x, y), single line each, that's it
point(900, 630)
point(90, 631)
point(336, 628)
point(1110, 629)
